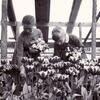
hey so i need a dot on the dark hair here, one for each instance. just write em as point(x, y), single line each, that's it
point(28, 21)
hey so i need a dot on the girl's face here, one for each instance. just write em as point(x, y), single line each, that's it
point(61, 39)
point(28, 30)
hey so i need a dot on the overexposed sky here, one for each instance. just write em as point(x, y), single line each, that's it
point(59, 12)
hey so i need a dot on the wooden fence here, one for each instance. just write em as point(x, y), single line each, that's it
point(4, 23)
point(6, 45)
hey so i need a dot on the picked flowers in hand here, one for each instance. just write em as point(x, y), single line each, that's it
point(38, 45)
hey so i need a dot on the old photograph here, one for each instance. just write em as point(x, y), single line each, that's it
point(49, 50)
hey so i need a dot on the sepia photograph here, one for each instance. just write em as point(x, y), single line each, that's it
point(49, 50)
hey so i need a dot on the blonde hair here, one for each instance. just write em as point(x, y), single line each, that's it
point(57, 32)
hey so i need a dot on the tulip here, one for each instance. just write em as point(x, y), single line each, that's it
point(34, 46)
point(46, 61)
point(44, 66)
point(71, 58)
point(40, 59)
point(43, 74)
point(56, 77)
point(30, 61)
point(24, 60)
point(63, 77)
point(67, 54)
point(36, 64)
point(54, 59)
point(44, 96)
point(51, 72)
point(3, 61)
point(57, 91)
point(29, 67)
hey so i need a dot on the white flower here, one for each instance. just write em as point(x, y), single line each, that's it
point(13, 87)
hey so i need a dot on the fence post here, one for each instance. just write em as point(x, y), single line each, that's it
point(4, 30)
point(17, 35)
point(17, 30)
point(94, 9)
point(80, 32)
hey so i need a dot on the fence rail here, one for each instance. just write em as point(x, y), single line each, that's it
point(83, 24)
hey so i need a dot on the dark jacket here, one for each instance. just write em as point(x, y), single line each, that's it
point(60, 50)
point(23, 43)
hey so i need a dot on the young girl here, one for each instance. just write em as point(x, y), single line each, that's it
point(64, 40)
point(25, 39)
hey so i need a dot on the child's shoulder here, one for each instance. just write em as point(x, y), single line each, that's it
point(36, 29)
point(72, 36)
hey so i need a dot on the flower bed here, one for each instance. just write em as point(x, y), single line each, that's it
point(50, 78)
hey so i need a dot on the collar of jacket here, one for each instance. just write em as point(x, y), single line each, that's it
point(67, 38)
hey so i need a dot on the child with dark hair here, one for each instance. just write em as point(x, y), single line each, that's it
point(25, 40)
